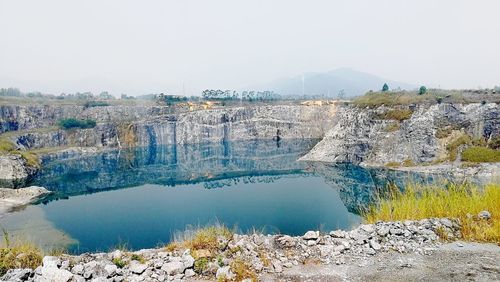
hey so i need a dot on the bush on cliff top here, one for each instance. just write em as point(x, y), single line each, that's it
point(69, 123)
point(464, 201)
point(480, 155)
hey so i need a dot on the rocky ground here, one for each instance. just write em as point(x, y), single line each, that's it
point(409, 250)
point(12, 198)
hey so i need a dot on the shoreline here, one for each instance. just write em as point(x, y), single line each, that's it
point(370, 250)
point(12, 198)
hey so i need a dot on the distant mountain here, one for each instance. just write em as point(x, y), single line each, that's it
point(331, 83)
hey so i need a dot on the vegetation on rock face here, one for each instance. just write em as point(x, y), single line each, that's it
point(91, 104)
point(480, 154)
point(7, 147)
point(453, 146)
point(462, 201)
point(396, 114)
point(392, 127)
point(70, 123)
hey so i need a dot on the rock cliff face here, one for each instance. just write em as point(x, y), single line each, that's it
point(152, 127)
point(14, 170)
point(361, 136)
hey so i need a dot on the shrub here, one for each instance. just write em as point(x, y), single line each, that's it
point(242, 270)
point(396, 114)
point(200, 265)
point(119, 262)
point(422, 90)
point(462, 201)
point(139, 258)
point(385, 88)
point(70, 123)
point(91, 104)
point(480, 154)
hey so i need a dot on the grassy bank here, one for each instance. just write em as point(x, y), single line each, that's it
point(19, 254)
point(462, 201)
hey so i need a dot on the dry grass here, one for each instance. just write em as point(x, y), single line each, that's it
point(201, 239)
point(394, 126)
point(394, 98)
point(462, 201)
point(19, 254)
point(242, 270)
point(392, 164)
point(396, 114)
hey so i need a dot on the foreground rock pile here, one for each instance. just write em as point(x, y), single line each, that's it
point(244, 256)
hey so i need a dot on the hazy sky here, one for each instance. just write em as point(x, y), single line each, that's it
point(139, 47)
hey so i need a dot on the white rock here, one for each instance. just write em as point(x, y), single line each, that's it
point(188, 261)
point(53, 274)
point(375, 245)
point(173, 267)
point(337, 234)
point(368, 228)
point(311, 235)
point(484, 215)
point(224, 272)
point(278, 267)
point(110, 269)
point(189, 273)
point(137, 268)
point(50, 261)
point(77, 269)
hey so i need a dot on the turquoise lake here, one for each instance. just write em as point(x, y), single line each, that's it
point(141, 197)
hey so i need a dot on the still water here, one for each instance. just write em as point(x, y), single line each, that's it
point(141, 197)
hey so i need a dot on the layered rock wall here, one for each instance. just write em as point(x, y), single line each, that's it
point(361, 136)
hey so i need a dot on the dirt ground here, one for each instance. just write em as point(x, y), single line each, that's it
point(457, 261)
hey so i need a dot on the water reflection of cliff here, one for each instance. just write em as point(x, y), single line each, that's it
point(358, 186)
point(173, 165)
point(216, 165)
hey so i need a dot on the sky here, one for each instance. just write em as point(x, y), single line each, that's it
point(176, 47)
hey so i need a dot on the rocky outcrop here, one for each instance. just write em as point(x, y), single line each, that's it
point(245, 256)
point(14, 170)
point(362, 136)
point(11, 198)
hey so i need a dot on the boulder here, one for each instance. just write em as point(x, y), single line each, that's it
point(311, 235)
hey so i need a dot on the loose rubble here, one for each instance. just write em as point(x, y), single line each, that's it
point(262, 254)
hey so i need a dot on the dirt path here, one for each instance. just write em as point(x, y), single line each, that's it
point(456, 261)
